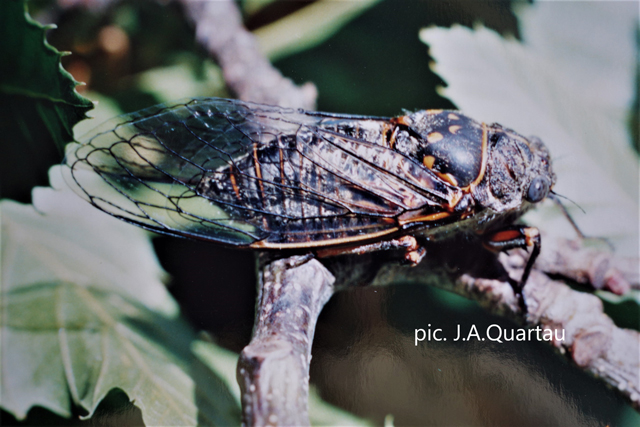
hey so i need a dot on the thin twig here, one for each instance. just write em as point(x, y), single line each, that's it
point(592, 340)
point(246, 71)
point(601, 269)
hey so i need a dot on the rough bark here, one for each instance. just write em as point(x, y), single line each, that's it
point(591, 339)
point(273, 370)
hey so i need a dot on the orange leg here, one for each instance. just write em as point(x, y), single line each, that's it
point(517, 237)
point(413, 252)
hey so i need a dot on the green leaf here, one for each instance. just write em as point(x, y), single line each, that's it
point(179, 81)
point(105, 108)
point(38, 101)
point(63, 341)
point(62, 238)
point(568, 88)
point(84, 311)
point(34, 74)
point(251, 7)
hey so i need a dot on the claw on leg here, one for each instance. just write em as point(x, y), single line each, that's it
point(517, 237)
point(414, 257)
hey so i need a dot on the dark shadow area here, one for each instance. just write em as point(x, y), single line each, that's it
point(215, 286)
point(365, 361)
point(115, 410)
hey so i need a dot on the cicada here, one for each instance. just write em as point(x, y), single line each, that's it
point(269, 178)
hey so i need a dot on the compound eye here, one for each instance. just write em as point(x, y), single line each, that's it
point(538, 189)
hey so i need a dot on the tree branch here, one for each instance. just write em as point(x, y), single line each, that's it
point(592, 340)
point(273, 370)
point(246, 71)
point(587, 265)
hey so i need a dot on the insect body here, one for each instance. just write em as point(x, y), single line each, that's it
point(263, 177)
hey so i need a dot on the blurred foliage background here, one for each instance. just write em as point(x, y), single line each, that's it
point(132, 54)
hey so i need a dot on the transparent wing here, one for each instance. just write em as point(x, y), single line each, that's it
point(240, 173)
point(144, 168)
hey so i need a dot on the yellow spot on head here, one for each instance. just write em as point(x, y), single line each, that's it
point(428, 161)
point(448, 178)
point(434, 137)
point(452, 116)
point(454, 129)
point(434, 111)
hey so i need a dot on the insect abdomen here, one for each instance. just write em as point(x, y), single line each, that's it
point(288, 196)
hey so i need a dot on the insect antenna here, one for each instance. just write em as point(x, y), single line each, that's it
point(553, 196)
point(556, 199)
